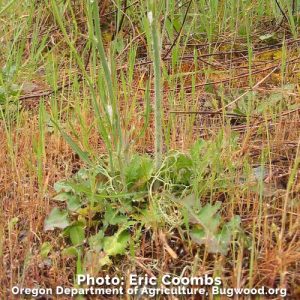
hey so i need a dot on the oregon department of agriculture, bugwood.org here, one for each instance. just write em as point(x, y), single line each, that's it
point(147, 286)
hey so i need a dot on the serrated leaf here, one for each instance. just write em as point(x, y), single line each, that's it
point(179, 168)
point(217, 242)
point(207, 217)
point(198, 236)
point(57, 219)
point(105, 261)
point(74, 203)
point(201, 237)
point(82, 174)
point(112, 217)
point(183, 161)
point(96, 241)
point(188, 201)
point(62, 196)
point(116, 244)
point(96, 259)
point(62, 186)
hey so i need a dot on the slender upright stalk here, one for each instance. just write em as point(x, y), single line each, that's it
point(158, 113)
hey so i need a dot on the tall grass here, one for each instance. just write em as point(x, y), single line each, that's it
point(153, 18)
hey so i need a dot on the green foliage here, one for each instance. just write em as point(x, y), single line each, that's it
point(71, 252)
point(57, 219)
point(9, 91)
point(76, 233)
point(138, 172)
point(45, 249)
point(6, 7)
point(116, 244)
point(253, 104)
point(209, 229)
point(108, 212)
point(180, 168)
point(96, 241)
